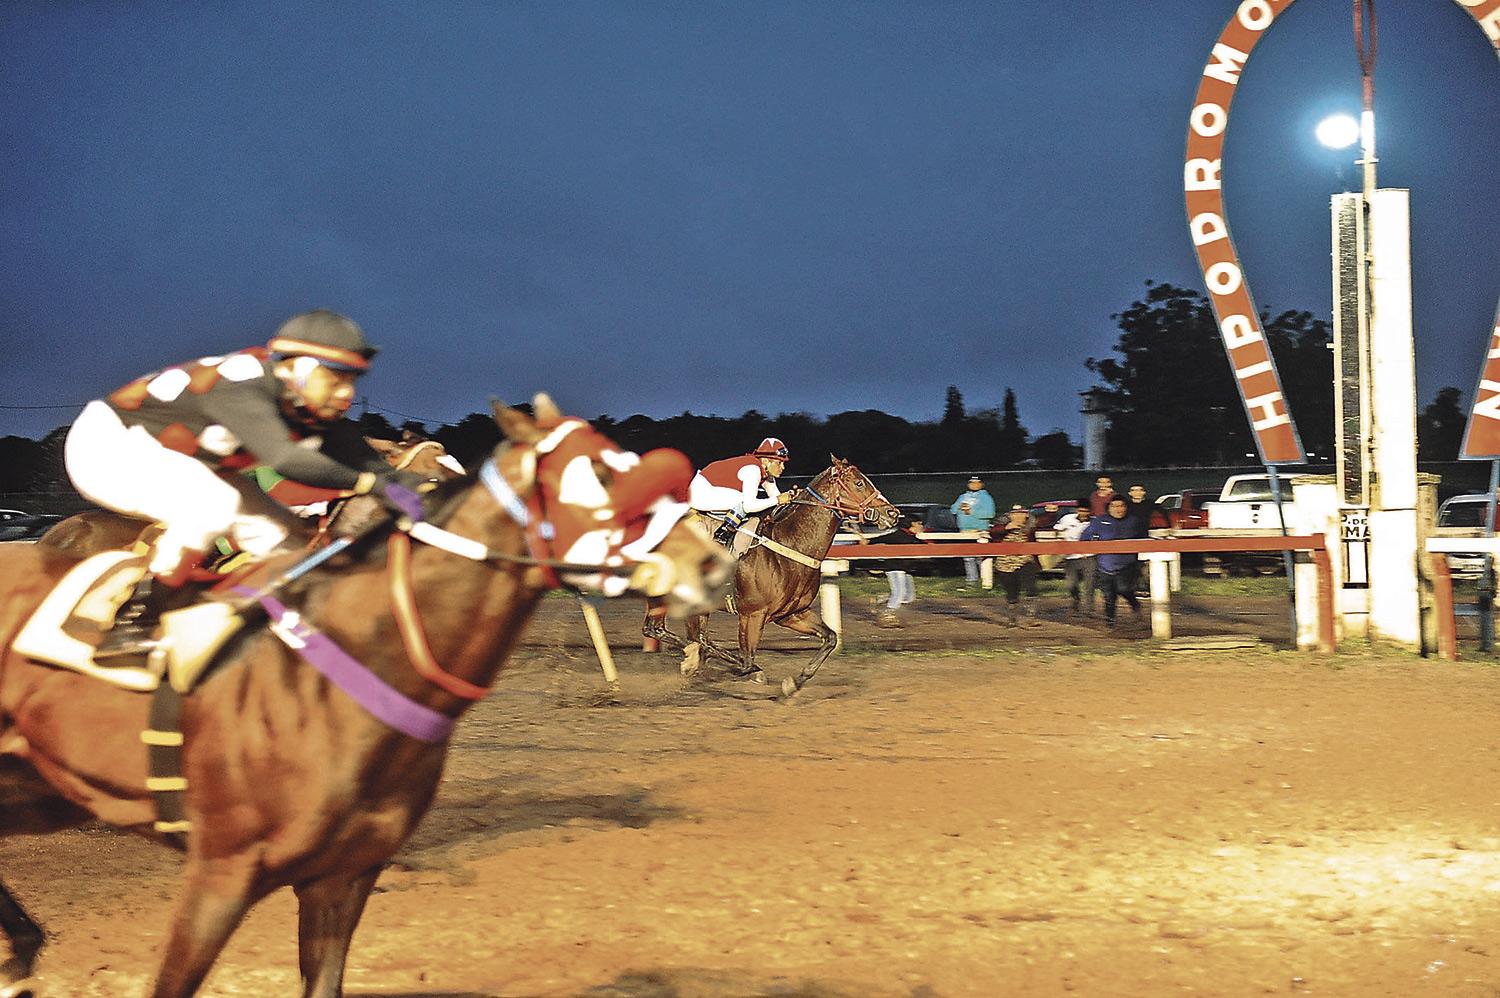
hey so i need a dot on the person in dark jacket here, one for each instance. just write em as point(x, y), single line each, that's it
point(1138, 510)
point(164, 446)
point(898, 573)
point(1115, 572)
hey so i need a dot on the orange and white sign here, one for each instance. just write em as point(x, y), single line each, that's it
point(1239, 323)
point(1482, 436)
point(1244, 339)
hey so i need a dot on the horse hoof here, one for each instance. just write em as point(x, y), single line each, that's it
point(690, 661)
point(28, 987)
point(758, 678)
point(789, 687)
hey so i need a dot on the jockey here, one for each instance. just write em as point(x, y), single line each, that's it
point(733, 487)
point(164, 446)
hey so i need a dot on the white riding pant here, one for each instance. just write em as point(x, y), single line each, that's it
point(127, 470)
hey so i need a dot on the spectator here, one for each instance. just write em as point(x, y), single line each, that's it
point(974, 509)
point(1104, 491)
point(1138, 510)
point(898, 573)
point(1016, 571)
point(1116, 572)
point(1078, 569)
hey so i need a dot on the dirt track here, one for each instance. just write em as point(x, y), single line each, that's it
point(1035, 820)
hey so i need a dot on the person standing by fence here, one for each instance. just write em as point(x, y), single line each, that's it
point(975, 510)
point(898, 573)
point(1116, 572)
point(1016, 571)
point(1078, 569)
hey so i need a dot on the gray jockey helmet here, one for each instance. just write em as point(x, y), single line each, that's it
point(332, 339)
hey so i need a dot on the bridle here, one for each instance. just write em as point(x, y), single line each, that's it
point(841, 498)
point(531, 515)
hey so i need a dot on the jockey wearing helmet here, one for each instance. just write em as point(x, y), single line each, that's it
point(733, 487)
point(164, 446)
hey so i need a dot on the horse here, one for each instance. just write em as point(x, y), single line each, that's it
point(95, 530)
point(777, 580)
point(291, 781)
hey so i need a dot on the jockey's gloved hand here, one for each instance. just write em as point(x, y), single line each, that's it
point(397, 491)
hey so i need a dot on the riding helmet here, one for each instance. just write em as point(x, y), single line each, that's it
point(332, 339)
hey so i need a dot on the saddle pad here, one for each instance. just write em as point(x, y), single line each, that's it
point(44, 639)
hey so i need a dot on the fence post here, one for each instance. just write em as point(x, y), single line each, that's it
point(1442, 606)
point(601, 641)
point(1308, 635)
point(1161, 594)
point(829, 606)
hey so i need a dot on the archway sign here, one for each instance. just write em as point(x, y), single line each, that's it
point(1239, 323)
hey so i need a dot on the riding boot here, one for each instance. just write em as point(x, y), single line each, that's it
point(134, 630)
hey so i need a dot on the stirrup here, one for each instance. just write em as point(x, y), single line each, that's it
point(128, 640)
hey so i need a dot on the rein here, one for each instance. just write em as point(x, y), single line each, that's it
point(526, 515)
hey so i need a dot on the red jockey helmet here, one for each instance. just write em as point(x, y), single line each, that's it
point(773, 448)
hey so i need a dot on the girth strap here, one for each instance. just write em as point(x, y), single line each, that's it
point(163, 740)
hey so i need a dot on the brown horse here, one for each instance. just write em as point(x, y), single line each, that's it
point(775, 587)
point(291, 781)
point(95, 530)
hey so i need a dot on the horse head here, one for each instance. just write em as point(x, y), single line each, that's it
point(419, 455)
point(844, 489)
point(604, 515)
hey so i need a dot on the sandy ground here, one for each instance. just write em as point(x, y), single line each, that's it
point(991, 811)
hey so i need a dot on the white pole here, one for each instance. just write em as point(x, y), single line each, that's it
point(1161, 595)
point(829, 606)
point(1395, 606)
point(601, 641)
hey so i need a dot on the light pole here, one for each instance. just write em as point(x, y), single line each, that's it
point(1375, 391)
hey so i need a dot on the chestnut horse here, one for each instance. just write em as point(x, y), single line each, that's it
point(291, 781)
point(770, 586)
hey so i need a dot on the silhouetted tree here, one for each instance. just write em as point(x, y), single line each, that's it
point(1440, 427)
point(1055, 450)
point(953, 407)
point(471, 439)
point(1173, 398)
point(1011, 447)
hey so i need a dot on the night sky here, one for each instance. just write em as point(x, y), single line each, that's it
point(659, 207)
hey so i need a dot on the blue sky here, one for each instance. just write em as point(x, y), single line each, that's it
point(659, 207)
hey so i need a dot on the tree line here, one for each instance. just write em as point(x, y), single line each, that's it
point(1170, 393)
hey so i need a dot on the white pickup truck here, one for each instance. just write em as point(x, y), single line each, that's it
point(1246, 503)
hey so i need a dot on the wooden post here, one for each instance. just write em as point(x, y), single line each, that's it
point(830, 608)
point(1326, 641)
point(1161, 595)
point(601, 642)
point(1442, 598)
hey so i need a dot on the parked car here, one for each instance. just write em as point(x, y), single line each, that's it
point(1049, 511)
point(18, 526)
point(1246, 501)
point(931, 515)
point(1182, 510)
point(1466, 511)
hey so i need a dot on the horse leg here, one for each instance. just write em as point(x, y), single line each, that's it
point(328, 910)
point(808, 622)
point(26, 941)
point(751, 625)
point(216, 895)
point(29, 805)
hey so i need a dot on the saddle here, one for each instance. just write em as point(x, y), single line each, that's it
point(67, 627)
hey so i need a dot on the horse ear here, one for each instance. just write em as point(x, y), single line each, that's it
point(547, 412)
point(837, 461)
point(515, 424)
